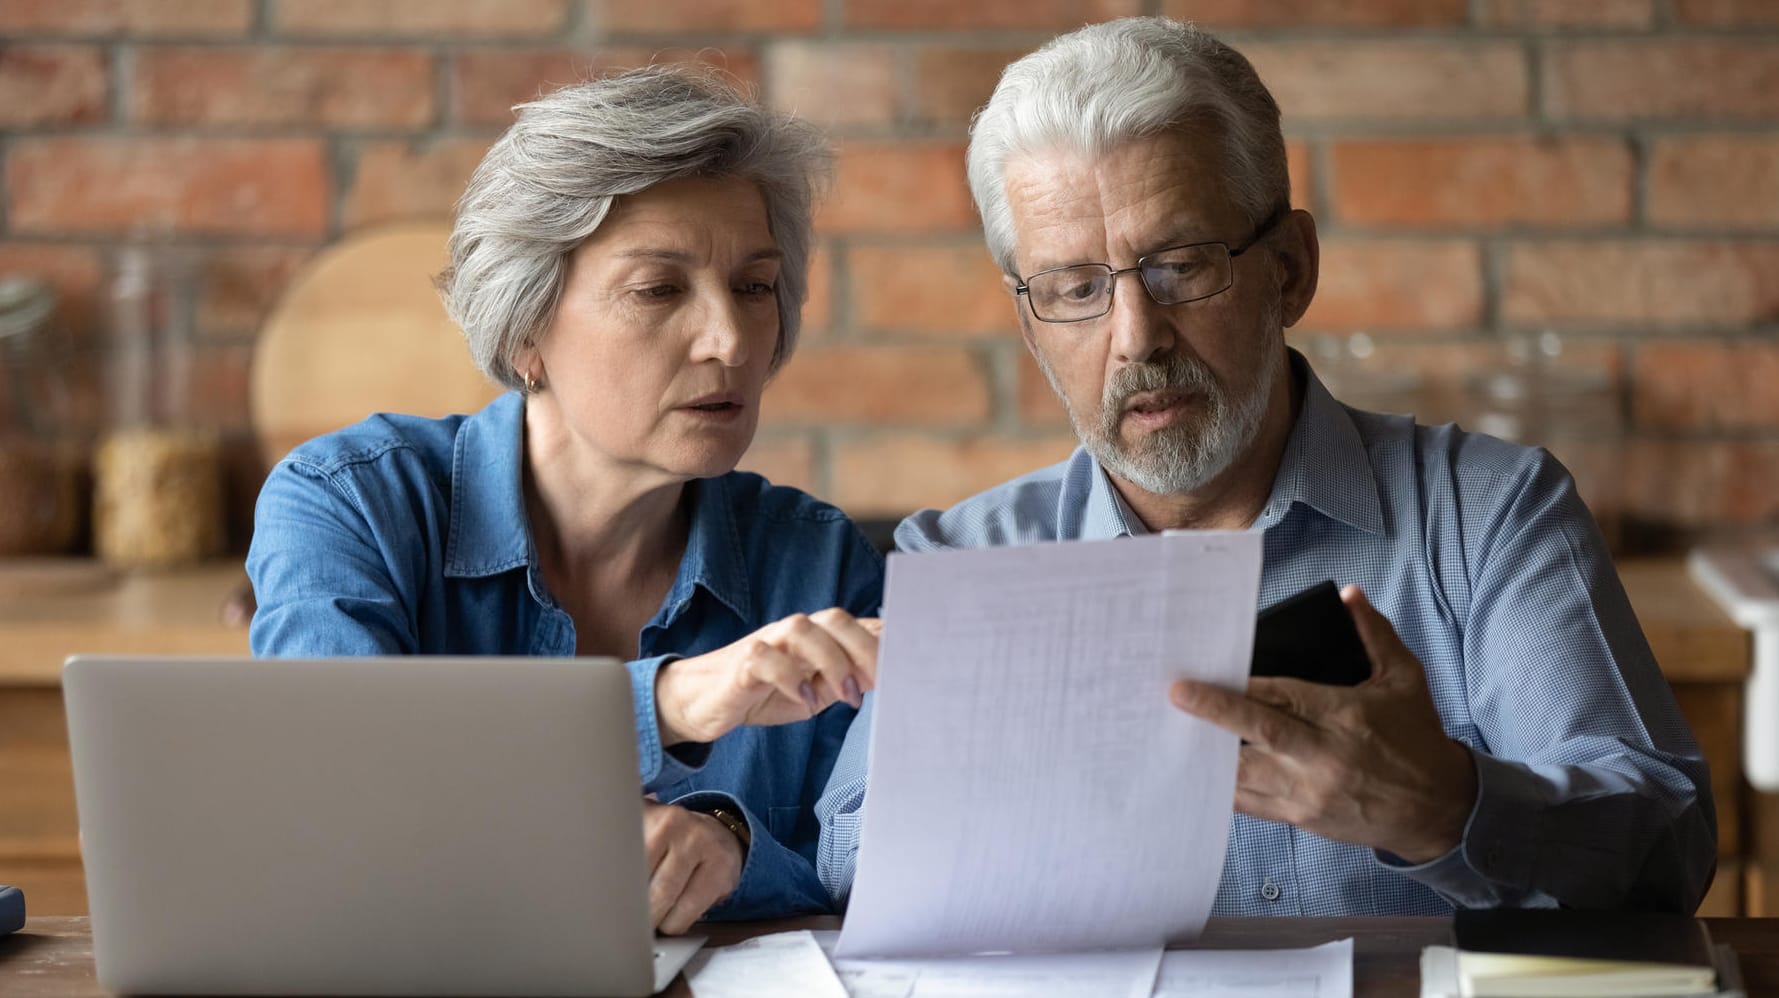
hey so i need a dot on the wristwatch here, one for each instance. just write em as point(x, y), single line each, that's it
point(735, 823)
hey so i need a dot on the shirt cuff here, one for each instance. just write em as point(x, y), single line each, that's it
point(659, 766)
point(758, 835)
point(1492, 863)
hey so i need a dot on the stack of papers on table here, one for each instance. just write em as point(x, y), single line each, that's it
point(798, 963)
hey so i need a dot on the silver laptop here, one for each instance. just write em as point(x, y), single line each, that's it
point(397, 826)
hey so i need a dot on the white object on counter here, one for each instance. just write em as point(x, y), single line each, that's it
point(1745, 583)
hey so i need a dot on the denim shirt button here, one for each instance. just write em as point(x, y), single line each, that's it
point(1269, 891)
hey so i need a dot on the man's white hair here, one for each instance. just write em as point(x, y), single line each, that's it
point(1133, 78)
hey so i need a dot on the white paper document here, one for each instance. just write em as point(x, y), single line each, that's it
point(1324, 971)
point(784, 963)
point(1107, 974)
point(1031, 787)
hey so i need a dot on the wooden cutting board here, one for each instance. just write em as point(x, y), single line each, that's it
point(361, 330)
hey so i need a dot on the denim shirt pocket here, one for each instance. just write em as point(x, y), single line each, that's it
point(782, 822)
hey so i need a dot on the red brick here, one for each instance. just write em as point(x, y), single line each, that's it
point(1485, 182)
point(917, 386)
point(487, 83)
point(1038, 404)
point(951, 83)
point(1568, 13)
point(676, 16)
point(422, 18)
point(1016, 15)
point(1319, 13)
point(1727, 13)
point(1702, 483)
point(1303, 186)
point(396, 180)
point(1674, 78)
point(952, 288)
point(899, 187)
point(1391, 284)
point(139, 18)
point(1677, 282)
point(1395, 80)
point(334, 87)
point(783, 459)
point(237, 288)
point(52, 85)
point(892, 475)
point(115, 185)
point(1706, 385)
point(75, 272)
point(1723, 181)
point(818, 310)
point(833, 84)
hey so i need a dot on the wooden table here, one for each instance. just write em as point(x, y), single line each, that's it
point(53, 957)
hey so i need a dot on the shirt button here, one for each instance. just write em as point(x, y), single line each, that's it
point(1269, 891)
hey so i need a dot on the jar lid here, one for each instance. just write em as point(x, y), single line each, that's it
point(25, 304)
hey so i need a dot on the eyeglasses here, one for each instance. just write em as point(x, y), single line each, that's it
point(1172, 276)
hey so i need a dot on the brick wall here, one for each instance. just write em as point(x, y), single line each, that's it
point(1607, 169)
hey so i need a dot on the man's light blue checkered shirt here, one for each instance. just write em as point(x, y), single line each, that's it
point(1592, 792)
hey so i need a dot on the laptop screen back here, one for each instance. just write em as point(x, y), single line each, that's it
point(368, 826)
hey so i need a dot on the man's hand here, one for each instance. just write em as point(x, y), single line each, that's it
point(789, 670)
point(1368, 764)
point(694, 862)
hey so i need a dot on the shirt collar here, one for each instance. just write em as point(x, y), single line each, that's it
point(714, 559)
point(490, 532)
point(488, 525)
point(1324, 466)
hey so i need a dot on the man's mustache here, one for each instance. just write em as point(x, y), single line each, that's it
point(1177, 372)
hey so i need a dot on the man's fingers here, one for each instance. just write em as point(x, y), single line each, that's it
point(1297, 697)
point(1382, 645)
point(1259, 723)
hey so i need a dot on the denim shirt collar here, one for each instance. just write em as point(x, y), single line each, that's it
point(1324, 466)
point(490, 532)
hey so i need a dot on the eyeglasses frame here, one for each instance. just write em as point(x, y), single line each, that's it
point(1266, 229)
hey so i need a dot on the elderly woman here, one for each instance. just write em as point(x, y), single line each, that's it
point(630, 258)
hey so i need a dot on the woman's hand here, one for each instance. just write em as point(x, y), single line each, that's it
point(694, 862)
point(786, 671)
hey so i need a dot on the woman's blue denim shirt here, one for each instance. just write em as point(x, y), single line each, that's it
point(408, 536)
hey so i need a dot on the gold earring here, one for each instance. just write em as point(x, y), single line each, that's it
point(531, 383)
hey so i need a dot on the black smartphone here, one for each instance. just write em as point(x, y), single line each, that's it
point(1310, 636)
point(12, 909)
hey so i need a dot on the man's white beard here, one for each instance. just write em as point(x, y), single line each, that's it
point(1191, 453)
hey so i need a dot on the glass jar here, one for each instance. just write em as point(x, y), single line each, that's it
point(40, 463)
point(157, 473)
point(1535, 397)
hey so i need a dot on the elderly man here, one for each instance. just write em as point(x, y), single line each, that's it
point(1516, 744)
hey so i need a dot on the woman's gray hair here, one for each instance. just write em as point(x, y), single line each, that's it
point(546, 185)
point(1110, 83)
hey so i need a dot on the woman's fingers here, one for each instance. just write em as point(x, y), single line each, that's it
point(701, 865)
point(668, 882)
